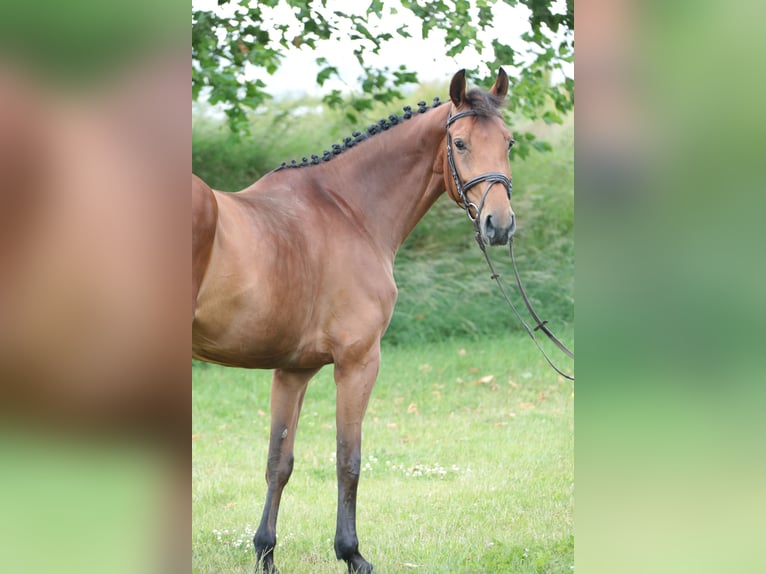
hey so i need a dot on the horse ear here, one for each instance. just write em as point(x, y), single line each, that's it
point(500, 89)
point(457, 88)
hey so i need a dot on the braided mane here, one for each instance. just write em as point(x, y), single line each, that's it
point(484, 104)
point(358, 137)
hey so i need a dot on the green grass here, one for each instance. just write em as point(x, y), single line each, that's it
point(467, 465)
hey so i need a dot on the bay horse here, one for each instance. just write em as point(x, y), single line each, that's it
point(296, 271)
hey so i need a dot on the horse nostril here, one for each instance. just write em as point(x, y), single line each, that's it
point(512, 228)
point(489, 227)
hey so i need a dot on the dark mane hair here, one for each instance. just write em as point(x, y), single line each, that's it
point(485, 104)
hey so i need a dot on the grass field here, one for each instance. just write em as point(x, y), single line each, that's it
point(467, 465)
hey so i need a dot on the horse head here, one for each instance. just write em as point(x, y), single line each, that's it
point(477, 170)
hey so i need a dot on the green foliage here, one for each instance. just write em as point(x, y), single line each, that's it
point(253, 36)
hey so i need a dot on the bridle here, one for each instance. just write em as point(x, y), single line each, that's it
point(473, 212)
point(491, 177)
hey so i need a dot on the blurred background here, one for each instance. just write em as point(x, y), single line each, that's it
point(670, 313)
point(94, 258)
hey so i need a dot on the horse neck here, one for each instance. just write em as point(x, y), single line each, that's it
point(392, 180)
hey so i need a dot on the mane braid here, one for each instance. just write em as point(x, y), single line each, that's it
point(358, 137)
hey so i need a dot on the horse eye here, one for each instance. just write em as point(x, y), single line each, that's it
point(511, 142)
point(460, 145)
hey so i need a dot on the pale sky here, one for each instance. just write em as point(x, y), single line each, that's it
point(297, 73)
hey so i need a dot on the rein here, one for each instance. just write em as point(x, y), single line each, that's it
point(473, 211)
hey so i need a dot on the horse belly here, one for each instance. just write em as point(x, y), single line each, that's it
point(258, 350)
point(250, 324)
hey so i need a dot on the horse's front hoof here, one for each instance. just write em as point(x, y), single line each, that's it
point(360, 566)
point(265, 565)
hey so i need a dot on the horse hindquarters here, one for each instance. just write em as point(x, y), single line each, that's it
point(204, 218)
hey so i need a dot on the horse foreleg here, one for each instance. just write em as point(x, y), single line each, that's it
point(287, 391)
point(354, 384)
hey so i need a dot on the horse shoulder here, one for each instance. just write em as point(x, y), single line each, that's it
point(364, 303)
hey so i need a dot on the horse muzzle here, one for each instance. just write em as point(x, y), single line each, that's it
point(496, 232)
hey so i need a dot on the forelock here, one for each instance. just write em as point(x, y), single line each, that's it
point(483, 103)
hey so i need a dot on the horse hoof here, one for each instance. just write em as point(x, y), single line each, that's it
point(361, 568)
point(265, 567)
